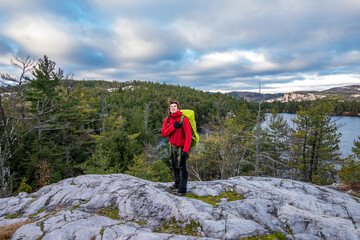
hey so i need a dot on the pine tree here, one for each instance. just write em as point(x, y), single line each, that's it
point(350, 170)
point(144, 168)
point(44, 98)
point(43, 93)
point(315, 146)
point(115, 148)
point(276, 137)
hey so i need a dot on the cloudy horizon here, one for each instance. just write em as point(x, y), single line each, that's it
point(228, 45)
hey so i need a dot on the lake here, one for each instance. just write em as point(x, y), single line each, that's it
point(349, 127)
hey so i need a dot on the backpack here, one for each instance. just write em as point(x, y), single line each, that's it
point(190, 114)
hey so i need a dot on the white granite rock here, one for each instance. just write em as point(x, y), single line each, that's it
point(119, 206)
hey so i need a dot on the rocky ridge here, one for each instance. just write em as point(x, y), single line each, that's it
point(345, 93)
point(297, 97)
point(119, 206)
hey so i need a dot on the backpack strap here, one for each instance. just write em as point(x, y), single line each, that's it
point(181, 120)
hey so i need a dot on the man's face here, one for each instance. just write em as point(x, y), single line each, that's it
point(173, 108)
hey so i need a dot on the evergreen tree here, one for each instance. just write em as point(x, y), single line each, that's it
point(143, 167)
point(115, 148)
point(277, 145)
point(43, 95)
point(72, 137)
point(350, 170)
point(315, 146)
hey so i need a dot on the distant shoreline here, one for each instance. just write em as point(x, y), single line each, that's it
point(345, 114)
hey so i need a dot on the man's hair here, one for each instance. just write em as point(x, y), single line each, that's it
point(173, 102)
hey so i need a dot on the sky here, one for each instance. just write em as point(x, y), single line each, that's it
point(217, 46)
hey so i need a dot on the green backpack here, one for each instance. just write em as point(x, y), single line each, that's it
point(190, 114)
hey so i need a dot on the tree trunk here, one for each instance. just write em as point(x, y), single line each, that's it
point(304, 152)
point(258, 137)
point(2, 112)
point(102, 110)
point(146, 118)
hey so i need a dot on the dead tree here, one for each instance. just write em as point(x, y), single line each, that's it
point(25, 65)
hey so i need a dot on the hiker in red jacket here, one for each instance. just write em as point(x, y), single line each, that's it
point(180, 139)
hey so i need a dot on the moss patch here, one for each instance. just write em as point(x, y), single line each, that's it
point(274, 236)
point(213, 200)
point(42, 229)
point(288, 229)
point(78, 205)
point(141, 223)
point(183, 228)
point(31, 202)
point(38, 212)
point(110, 212)
point(102, 232)
point(12, 216)
point(75, 207)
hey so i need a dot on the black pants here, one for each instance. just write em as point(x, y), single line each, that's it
point(180, 172)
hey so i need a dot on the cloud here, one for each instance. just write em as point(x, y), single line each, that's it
point(102, 74)
point(133, 41)
point(314, 82)
point(219, 59)
point(40, 36)
point(348, 58)
point(222, 45)
point(5, 59)
point(193, 33)
point(10, 7)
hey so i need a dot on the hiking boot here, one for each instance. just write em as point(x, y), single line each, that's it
point(179, 194)
point(174, 186)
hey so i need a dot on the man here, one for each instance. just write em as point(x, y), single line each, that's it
point(180, 139)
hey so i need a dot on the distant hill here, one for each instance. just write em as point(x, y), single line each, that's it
point(253, 96)
point(345, 93)
point(346, 90)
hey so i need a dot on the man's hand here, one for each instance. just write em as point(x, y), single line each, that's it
point(177, 125)
point(184, 154)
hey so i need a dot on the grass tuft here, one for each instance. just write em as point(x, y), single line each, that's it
point(213, 200)
point(172, 226)
point(274, 236)
point(7, 231)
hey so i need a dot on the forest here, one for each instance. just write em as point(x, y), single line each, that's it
point(53, 127)
point(341, 107)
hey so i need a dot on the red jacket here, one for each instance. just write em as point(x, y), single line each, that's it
point(180, 137)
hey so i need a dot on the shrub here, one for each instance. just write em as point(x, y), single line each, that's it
point(156, 171)
point(24, 187)
point(350, 171)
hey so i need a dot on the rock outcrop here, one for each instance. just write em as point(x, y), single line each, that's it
point(297, 97)
point(119, 206)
